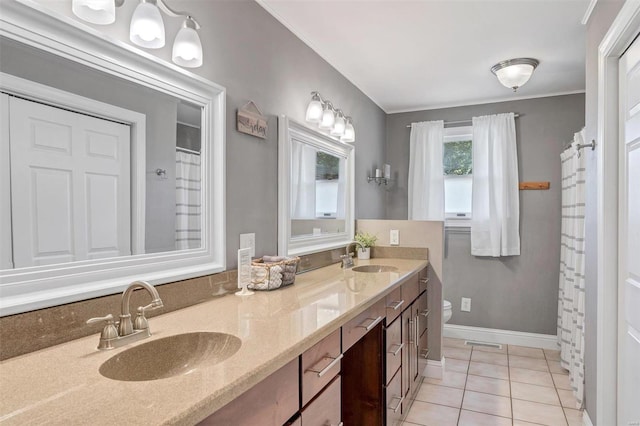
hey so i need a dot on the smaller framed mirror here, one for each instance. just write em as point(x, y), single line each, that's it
point(315, 190)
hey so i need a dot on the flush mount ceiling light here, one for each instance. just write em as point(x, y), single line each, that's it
point(514, 73)
point(321, 112)
point(147, 26)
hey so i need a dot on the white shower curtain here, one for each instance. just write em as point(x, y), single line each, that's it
point(426, 171)
point(495, 217)
point(303, 181)
point(571, 297)
point(188, 201)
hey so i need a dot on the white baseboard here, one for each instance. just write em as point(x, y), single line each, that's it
point(434, 369)
point(505, 337)
point(586, 421)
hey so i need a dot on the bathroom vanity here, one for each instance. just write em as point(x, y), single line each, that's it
point(288, 337)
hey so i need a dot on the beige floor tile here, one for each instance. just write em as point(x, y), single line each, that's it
point(540, 378)
point(539, 364)
point(442, 395)
point(535, 393)
point(471, 418)
point(525, 351)
point(489, 358)
point(501, 350)
point(561, 381)
point(555, 367)
point(488, 385)
point(521, 423)
point(552, 355)
point(458, 365)
point(489, 370)
point(574, 417)
point(426, 414)
point(534, 412)
point(449, 342)
point(457, 353)
point(486, 403)
point(567, 399)
point(451, 379)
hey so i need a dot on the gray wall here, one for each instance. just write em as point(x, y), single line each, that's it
point(603, 15)
point(256, 58)
point(517, 293)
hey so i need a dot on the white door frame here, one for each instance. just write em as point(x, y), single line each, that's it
point(618, 38)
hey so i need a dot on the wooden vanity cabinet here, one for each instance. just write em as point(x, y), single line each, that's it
point(319, 365)
point(325, 409)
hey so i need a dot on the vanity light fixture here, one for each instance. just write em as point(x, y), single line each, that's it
point(147, 26)
point(514, 73)
point(333, 120)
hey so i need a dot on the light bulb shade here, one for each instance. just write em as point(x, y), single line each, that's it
point(514, 73)
point(349, 133)
point(187, 48)
point(314, 111)
point(101, 12)
point(338, 126)
point(328, 119)
point(147, 26)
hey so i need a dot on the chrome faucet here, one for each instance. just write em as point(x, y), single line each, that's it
point(347, 258)
point(127, 331)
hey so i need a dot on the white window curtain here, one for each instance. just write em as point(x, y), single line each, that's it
point(188, 201)
point(495, 200)
point(426, 171)
point(303, 181)
point(571, 297)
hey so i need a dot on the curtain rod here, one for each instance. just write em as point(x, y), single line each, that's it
point(189, 151)
point(461, 121)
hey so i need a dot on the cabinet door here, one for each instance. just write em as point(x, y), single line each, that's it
point(407, 325)
point(394, 346)
point(325, 409)
point(394, 398)
point(413, 350)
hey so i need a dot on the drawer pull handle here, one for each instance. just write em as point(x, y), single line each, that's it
point(424, 280)
point(397, 407)
point(373, 323)
point(425, 353)
point(410, 331)
point(425, 313)
point(397, 305)
point(397, 351)
point(324, 371)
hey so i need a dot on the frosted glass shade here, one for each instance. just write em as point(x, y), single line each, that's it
point(514, 73)
point(187, 48)
point(338, 126)
point(349, 133)
point(328, 119)
point(147, 26)
point(314, 111)
point(101, 12)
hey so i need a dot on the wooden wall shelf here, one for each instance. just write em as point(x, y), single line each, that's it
point(534, 185)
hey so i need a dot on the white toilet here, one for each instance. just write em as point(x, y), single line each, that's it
point(446, 311)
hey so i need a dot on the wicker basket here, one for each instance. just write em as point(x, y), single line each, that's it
point(273, 275)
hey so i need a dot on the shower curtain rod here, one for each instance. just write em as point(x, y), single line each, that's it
point(461, 121)
point(189, 151)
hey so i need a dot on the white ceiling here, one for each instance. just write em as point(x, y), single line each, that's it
point(414, 55)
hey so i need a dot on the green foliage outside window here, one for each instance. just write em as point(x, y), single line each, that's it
point(327, 166)
point(458, 158)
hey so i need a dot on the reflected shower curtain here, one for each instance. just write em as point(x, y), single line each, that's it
point(303, 181)
point(188, 201)
point(571, 297)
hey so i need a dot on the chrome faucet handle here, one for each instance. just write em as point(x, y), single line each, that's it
point(109, 332)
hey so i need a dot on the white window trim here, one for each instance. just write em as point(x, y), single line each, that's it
point(455, 134)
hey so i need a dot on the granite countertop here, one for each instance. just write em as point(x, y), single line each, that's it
point(62, 384)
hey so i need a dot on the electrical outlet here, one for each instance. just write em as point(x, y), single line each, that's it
point(248, 241)
point(465, 304)
point(394, 237)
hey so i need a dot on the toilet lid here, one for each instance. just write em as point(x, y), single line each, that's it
point(446, 304)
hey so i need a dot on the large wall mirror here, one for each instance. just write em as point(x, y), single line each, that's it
point(315, 190)
point(112, 165)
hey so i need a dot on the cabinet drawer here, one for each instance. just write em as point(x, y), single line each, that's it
point(423, 347)
point(360, 325)
point(394, 346)
point(423, 277)
point(271, 402)
point(394, 304)
point(410, 290)
point(325, 409)
point(394, 399)
point(320, 364)
point(422, 313)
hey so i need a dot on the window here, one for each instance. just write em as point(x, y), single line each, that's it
point(327, 185)
point(458, 169)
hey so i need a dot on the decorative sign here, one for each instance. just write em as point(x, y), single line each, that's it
point(251, 121)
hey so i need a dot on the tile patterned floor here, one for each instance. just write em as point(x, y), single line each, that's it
point(511, 386)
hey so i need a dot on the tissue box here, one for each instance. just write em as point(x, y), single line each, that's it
point(271, 272)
